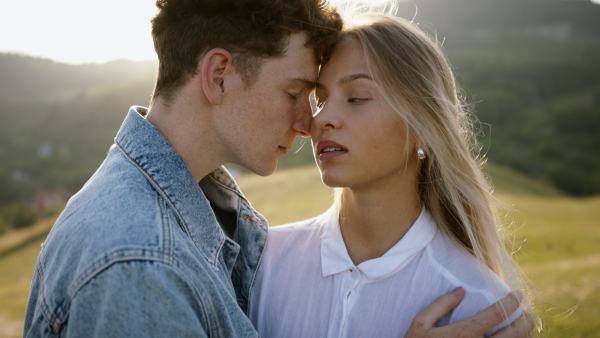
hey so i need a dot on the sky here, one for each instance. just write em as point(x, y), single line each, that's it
point(79, 31)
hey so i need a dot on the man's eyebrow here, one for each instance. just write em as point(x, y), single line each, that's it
point(307, 83)
point(347, 79)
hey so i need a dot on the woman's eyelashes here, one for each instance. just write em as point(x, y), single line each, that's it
point(358, 100)
point(353, 97)
point(351, 100)
point(320, 99)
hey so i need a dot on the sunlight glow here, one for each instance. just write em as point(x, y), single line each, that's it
point(369, 2)
point(76, 31)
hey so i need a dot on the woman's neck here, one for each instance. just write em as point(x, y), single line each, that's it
point(375, 218)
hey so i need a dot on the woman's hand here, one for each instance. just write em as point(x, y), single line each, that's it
point(423, 325)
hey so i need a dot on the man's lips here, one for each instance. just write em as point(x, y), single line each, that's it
point(285, 148)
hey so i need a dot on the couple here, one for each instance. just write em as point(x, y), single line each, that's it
point(161, 242)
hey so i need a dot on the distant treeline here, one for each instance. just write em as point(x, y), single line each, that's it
point(530, 67)
point(57, 122)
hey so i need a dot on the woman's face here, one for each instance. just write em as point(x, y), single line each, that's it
point(358, 140)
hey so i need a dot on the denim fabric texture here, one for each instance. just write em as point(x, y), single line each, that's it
point(144, 251)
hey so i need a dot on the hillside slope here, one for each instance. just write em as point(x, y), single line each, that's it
point(557, 238)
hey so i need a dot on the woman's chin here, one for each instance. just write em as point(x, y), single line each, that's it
point(332, 182)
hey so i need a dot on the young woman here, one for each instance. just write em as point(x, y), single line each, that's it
point(413, 218)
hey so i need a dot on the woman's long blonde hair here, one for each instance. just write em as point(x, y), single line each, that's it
point(416, 80)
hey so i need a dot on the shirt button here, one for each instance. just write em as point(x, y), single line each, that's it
point(354, 274)
point(340, 316)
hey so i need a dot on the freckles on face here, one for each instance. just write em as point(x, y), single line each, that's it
point(267, 112)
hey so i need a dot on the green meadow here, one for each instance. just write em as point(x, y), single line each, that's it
point(556, 239)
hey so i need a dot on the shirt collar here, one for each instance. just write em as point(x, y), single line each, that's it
point(335, 258)
point(147, 148)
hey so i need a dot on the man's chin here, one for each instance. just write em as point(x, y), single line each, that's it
point(264, 170)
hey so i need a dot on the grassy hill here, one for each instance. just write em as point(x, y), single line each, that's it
point(557, 237)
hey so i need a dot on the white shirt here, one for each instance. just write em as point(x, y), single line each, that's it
point(308, 286)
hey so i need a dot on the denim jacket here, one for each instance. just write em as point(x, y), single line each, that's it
point(144, 251)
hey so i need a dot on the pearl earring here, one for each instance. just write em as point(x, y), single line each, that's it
point(420, 154)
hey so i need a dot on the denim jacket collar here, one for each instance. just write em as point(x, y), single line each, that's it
point(191, 201)
point(144, 145)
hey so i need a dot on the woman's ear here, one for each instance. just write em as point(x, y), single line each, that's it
point(216, 65)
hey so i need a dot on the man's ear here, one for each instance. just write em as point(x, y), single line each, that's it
point(216, 65)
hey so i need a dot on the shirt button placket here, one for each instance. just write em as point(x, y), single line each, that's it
point(352, 280)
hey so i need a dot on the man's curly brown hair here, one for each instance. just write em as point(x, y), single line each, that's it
point(251, 30)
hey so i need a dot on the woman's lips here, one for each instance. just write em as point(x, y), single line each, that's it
point(331, 154)
point(328, 150)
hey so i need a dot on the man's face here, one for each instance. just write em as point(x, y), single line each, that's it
point(265, 117)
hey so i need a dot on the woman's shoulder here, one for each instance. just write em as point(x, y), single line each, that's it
point(462, 268)
point(459, 267)
point(297, 229)
point(293, 235)
point(292, 245)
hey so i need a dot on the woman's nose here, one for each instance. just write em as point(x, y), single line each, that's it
point(326, 117)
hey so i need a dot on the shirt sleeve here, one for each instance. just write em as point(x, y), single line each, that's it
point(137, 299)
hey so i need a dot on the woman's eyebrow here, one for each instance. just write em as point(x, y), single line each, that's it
point(352, 77)
point(346, 79)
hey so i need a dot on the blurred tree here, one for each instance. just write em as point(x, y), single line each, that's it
point(17, 216)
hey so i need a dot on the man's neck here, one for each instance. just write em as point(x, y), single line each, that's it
point(188, 129)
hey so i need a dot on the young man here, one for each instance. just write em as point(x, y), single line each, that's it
point(144, 249)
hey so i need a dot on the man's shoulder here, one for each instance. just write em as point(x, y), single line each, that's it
point(114, 203)
point(117, 212)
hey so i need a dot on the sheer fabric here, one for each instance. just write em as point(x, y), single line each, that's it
point(308, 286)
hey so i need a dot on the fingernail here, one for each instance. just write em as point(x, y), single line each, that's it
point(457, 290)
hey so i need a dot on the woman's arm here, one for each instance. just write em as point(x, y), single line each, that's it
point(423, 325)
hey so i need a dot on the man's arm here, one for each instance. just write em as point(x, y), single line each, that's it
point(423, 325)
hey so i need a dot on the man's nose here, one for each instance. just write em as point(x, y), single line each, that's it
point(303, 120)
